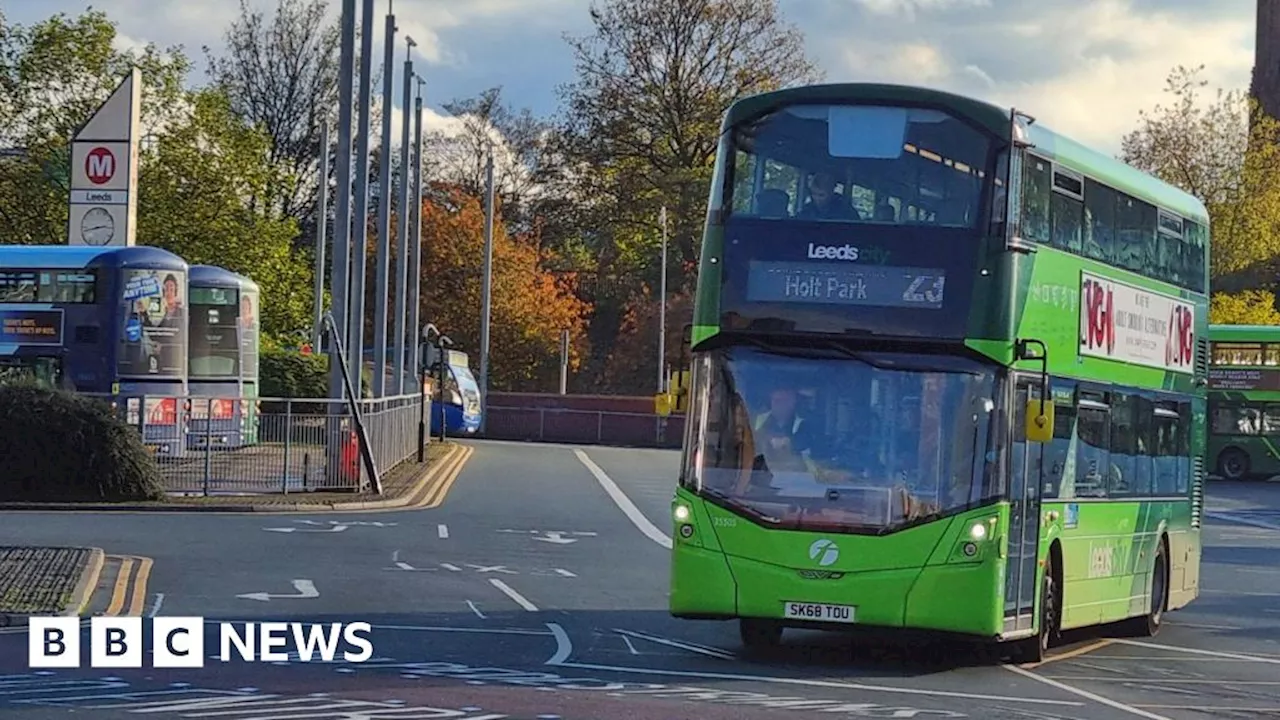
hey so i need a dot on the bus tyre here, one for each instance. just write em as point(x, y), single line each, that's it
point(1233, 464)
point(1034, 649)
point(758, 634)
point(1148, 625)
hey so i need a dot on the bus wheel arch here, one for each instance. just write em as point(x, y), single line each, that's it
point(1233, 463)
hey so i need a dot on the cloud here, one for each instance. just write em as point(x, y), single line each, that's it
point(1084, 69)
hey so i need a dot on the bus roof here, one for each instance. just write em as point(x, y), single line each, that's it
point(214, 276)
point(1244, 333)
point(74, 256)
point(1052, 145)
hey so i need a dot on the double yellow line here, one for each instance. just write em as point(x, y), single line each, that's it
point(129, 594)
point(435, 492)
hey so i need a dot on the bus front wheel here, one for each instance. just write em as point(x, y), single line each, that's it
point(758, 633)
point(1233, 464)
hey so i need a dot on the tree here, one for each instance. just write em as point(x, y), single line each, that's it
point(195, 184)
point(53, 76)
point(282, 75)
point(1251, 307)
point(641, 125)
point(530, 305)
point(1224, 153)
point(631, 368)
point(518, 140)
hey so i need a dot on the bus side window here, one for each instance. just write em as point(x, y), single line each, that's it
point(1093, 456)
point(1184, 447)
point(1145, 444)
point(1124, 450)
point(1057, 460)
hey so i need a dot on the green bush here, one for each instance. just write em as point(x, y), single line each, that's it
point(60, 447)
point(290, 374)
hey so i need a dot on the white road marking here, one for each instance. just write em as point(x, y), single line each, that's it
point(443, 530)
point(624, 503)
point(155, 608)
point(565, 573)
point(1085, 694)
point(811, 683)
point(475, 610)
point(719, 654)
point(1232, 518)
point(630, 647)
point(507, 590)
point(1163, 681)
point(405, 566)
point(1207, 653)
point(451, 566)
point(564, 646)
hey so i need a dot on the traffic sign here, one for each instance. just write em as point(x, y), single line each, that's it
point(100, 165)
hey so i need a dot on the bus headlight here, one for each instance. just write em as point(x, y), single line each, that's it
point(978, 530)
point(682, 513)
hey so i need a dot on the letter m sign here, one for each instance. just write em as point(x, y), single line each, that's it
point(99, 165)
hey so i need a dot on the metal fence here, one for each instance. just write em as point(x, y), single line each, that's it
point(232, 446)
point(595, 427)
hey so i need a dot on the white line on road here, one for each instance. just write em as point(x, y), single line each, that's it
point(507, 590)
point(475, 610)
point(451, 566)
point(565, 573)
point(815, 683)
point(404, 565)
point(624, 503)
point(709, 652)
point(155, 609)
point(1085, 694)
point(564, 646)
point(443, 530)
point(630, 647)
point(1232, 518)
point(1208, 653)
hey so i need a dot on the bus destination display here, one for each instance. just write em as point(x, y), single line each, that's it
point(870, 285)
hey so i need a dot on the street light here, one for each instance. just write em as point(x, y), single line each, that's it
point(424, 362)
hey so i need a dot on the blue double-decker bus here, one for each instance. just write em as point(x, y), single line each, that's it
point(460, 396)
point(223, 364)
point(107, 321)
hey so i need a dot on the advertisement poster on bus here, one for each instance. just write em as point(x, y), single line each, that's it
point(1128, 324)
point(249, 325)
point(154, 318)
point(215, 333)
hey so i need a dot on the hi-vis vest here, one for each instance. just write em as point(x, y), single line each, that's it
point(790, 461)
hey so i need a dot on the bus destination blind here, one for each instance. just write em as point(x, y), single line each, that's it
point(828, 283)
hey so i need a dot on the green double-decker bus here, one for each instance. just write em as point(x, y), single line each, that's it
point(1244, 401)
point(948, 374)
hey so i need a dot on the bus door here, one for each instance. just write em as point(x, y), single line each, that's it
point(1024, 516)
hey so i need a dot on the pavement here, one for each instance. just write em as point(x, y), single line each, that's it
point(536, 590)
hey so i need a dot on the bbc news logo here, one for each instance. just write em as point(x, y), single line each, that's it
point(179, 642)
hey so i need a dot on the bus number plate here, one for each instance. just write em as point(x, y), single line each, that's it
point(819, 612)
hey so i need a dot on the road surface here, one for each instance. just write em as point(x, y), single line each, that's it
point(538, 591)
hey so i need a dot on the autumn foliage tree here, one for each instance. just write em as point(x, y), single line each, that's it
point(531, 306)
point(1222, 151)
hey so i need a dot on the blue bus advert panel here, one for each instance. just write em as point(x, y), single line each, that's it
point(31, 327)
point(154, 341)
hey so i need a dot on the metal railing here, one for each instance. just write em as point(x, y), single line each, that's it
point(594, 427)
point(234, 446)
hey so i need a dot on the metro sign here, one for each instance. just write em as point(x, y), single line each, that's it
point(100, 166)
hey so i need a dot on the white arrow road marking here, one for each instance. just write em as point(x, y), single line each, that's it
point(334, 529)
point(305, 588)
point(700, 649)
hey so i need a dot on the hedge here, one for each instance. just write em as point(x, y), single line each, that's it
point(56, 446)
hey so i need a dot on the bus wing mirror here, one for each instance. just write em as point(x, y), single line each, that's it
point(1039, 421)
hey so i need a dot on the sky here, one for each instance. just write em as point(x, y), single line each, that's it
point(1082, 67)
